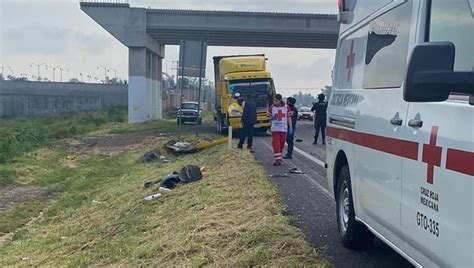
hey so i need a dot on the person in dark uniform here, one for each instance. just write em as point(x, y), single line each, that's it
point(290, 102)
point(320, 108)
point(249, 118)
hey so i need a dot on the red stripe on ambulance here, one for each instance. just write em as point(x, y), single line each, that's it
point(402, 148)
point(460, 161)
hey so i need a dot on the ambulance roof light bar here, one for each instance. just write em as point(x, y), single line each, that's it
point(344, 13)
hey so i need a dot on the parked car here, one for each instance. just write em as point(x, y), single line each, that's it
point(189, 112)
point(305, 113)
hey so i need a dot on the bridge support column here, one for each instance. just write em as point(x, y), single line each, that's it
point(144, 89)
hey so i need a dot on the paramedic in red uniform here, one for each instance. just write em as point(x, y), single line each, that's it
point(281, 126)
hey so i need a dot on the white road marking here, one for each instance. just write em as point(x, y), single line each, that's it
point(306, 176)
point(310, 157)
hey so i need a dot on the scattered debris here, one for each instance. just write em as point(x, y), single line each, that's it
point(299, 140)
point(208, 144)
point(148, 184)
point(297, 171)
point(188, 148)
point(190, 173)
point(154, 155)
point(96, 202)
point(163, 189)
point(152, 197)
point(285, 175)
point(150, 156)
point(181, 147)
point(25, 258)
point(187, 174)
point(71, 157)
point(170, 181)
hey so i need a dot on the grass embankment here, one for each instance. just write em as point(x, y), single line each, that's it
point(98, 217)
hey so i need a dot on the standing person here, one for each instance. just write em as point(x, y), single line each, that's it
point(249, 118)
point(290, 102)
point(281, 125)
point(320, 108)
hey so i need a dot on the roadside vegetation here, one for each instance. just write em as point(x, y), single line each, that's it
point(89, 210)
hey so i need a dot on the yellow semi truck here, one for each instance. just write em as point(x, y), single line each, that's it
point(237, 77)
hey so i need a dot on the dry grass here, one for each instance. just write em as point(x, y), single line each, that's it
point(231, 217)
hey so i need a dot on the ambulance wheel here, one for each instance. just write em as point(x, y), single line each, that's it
point(354, 234)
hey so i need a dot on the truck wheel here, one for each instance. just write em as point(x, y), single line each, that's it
point(354, 234)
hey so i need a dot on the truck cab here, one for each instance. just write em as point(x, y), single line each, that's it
point(400, 151)
point(238, 77)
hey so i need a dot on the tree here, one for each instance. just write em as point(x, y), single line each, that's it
point(327, 90)
point(74, 80)
point(304, 100)
point(115, 81)
point(1, 77)
point(14, 78)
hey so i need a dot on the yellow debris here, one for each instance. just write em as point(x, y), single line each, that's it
point(207, 144)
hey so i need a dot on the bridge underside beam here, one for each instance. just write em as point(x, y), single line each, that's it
point(245, 39)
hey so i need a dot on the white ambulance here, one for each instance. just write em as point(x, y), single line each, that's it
point(400, 150)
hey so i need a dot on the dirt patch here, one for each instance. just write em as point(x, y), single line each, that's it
point(11, 196)
point(114, 144)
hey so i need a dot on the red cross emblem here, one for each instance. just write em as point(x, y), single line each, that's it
point(350, 62)
point(280, 115)
point(432, 154)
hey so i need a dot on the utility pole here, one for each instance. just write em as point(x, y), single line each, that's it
point(61, 69)
point(115, 72)
point(54, 70)
point(105, 72)
point(38, 66)
point(183, 64)
point(201, 67)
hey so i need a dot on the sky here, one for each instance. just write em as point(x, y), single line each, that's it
point(58, 33)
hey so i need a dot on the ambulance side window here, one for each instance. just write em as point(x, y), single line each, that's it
point(387, 48)
point(453, 21)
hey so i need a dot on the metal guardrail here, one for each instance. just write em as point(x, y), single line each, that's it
point(120, 2)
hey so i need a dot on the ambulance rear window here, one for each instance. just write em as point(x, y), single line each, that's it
point(453, 21)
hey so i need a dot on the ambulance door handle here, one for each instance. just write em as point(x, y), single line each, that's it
point(415, 123)
point(396, 121)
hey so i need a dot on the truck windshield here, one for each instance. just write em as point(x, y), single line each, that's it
point(259, 89)
point(189, 106)
point(253, 87)
point(453, 21)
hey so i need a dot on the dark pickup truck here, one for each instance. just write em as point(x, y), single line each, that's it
point(189, 112)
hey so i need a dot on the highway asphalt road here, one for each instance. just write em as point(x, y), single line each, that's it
point(310, 206)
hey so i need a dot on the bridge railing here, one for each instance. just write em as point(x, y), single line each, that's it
point(120, 2)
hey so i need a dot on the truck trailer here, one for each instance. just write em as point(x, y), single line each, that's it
point(241, 76)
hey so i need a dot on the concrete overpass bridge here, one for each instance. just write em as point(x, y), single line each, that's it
point(146, 32)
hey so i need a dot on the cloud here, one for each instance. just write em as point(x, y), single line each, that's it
point(42, 40)
point(59, 33)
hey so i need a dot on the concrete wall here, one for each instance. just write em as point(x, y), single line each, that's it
point(50, 98)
